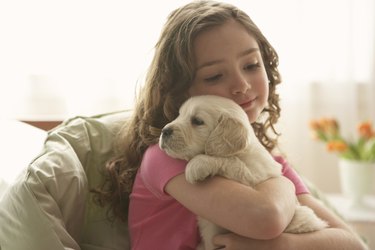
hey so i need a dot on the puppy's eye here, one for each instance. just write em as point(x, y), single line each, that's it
point(196, 121)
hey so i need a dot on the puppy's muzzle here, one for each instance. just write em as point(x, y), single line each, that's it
point(166, 132)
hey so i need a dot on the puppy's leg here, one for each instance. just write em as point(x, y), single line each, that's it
point(208, 230)
point(203, 166)
point(304, 221)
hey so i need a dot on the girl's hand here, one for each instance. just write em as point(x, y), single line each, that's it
point(233, 241)
point(338, 236)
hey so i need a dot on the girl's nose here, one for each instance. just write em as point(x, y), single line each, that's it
point(240, 84)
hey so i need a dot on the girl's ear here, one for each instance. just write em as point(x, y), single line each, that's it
point(229, 137)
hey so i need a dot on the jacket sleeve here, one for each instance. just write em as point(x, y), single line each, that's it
point(49, 206)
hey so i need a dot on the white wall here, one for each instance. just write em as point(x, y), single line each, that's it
point(83, 57)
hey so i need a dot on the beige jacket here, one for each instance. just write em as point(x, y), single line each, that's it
point(49, 206)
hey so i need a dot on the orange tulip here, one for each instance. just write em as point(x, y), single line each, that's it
point(338, 146)
point(315, 125)
point(365, 130)
point(330, 126)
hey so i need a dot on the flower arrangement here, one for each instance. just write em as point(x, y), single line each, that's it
point(361, 148)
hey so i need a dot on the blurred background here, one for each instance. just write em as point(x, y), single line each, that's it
point(60, 59)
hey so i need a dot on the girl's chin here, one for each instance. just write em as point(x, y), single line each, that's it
point(253, 115)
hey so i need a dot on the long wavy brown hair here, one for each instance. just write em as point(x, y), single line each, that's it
point(166, 88)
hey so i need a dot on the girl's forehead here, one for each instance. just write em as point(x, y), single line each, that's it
point(219, 41)
point(228, 27)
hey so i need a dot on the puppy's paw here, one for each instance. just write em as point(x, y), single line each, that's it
point(198, 169)
point(305, 221)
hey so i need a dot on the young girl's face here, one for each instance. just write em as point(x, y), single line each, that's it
point(229, 64)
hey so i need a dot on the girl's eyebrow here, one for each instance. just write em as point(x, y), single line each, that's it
point(244, 53)
point(248, 51)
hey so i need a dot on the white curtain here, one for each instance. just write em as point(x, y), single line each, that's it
point(327, 53)
point(83, 57)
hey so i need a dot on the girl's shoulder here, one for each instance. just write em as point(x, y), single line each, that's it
point(289, 172)
point(157, 168)
point(282, 161)
point(155, 155)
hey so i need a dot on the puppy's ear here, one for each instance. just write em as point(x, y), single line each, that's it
point(228, 138)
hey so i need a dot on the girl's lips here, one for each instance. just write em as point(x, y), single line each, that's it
point(247, 104)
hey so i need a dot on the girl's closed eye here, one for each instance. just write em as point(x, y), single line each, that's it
point(252, 66)
point(213, 78)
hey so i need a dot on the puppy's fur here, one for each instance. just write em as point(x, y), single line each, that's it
point(214, 134)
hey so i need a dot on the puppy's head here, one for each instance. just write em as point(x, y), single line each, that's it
point(210, 125)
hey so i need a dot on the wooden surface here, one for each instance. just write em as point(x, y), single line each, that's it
point(45, 125)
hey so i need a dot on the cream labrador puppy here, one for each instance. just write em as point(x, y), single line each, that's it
point(214, 135)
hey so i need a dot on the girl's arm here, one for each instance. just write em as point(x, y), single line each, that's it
point(262, 212)
point(337, 236)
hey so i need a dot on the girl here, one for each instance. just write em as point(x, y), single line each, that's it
point(210, 48)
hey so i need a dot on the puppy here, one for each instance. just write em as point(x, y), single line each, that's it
point(215, 136)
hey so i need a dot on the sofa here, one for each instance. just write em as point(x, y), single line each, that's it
point(49, 205)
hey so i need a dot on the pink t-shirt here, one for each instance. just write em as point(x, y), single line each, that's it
point(157, 220)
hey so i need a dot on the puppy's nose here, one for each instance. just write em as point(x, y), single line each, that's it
point(167, 132)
